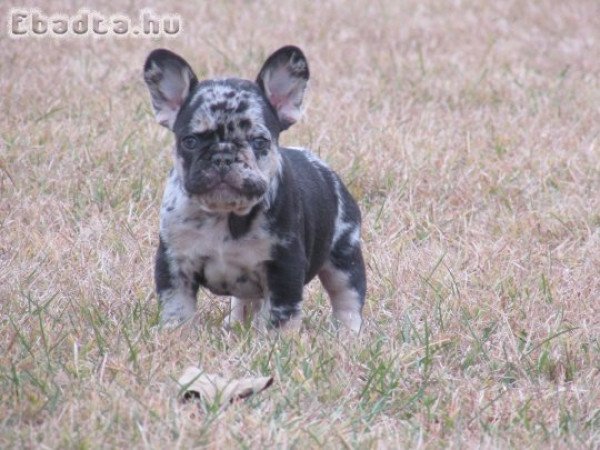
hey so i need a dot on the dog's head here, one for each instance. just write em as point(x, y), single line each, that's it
point(227, 130)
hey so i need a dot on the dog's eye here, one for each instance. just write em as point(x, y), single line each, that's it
point(260, 143)
point(190, 142)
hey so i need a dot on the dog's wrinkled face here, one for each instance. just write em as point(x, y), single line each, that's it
point(226, 151)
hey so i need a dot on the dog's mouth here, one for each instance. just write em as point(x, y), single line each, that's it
point(223, 185)
point(243, 183)
point(233, 191)
point(224, 189)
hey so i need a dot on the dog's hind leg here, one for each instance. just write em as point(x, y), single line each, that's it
point(343, 277)
point(242, 311)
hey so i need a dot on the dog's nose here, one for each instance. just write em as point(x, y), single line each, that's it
point(222, 160)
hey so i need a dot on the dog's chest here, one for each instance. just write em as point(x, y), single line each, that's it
point(204, 250)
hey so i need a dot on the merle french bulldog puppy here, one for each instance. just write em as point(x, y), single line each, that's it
point(242, 216)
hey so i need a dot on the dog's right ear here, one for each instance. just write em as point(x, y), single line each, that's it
point(170, 79)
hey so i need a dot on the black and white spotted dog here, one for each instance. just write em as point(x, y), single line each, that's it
point(242, 216)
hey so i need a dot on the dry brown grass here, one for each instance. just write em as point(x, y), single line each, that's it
point(468, 131)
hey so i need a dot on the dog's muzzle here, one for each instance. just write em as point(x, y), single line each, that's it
point(224, 176)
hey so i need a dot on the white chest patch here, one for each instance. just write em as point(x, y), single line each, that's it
point(200, 247)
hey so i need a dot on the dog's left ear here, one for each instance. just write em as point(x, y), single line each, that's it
point(283, 80)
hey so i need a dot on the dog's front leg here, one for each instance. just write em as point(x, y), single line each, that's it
point(176, 291)
point(285, 279)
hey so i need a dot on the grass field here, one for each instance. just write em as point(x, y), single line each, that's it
point(468, 131)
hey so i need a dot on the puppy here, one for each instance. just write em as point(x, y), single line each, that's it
point(240, 215)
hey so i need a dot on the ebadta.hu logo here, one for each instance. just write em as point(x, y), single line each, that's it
point(34, 22)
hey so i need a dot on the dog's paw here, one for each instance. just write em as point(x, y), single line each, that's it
point(170, 325)
point(170, 322)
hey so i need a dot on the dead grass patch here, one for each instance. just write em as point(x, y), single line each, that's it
point(469, 133)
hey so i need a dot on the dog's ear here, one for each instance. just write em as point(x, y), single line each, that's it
point(170, 79)
point(283, 79)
